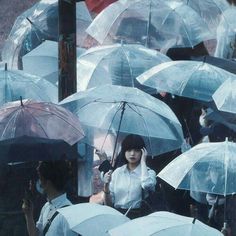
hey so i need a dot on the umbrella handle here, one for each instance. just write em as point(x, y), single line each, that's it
point(225, 213)
point(118, 132)
point(190, 136)
point(126, 213)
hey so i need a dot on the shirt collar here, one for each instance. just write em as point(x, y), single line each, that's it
point(58, 200)
point(137, 170)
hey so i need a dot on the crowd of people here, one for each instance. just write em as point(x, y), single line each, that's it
point(31, 193)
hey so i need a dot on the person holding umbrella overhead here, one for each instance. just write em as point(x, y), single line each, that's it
point(124, 187)
point(53, 177)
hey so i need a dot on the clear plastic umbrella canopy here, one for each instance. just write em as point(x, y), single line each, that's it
point(117, 64)
point(226, 43)
point(164, 223)
point(15, 84)
point(155, 24)
point(37, 24)
point(94, 219)
point(225, 96)
point(209, 10)
point(39, 119)
point(193, 79)
point(43, 61)
point(207, 167)
point(109, 109)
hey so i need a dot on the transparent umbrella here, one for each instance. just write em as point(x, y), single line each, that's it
point(209, 10)
point(226, 43)
point(118, 64)
point(93, 219)
point(207, 167)
point(225, 96)
point(43, 61)
point(37, 24)
point(193, 79)
point(15, 84)
point(164, 223)
point(155, 24)
point(111, 109)
point(39, 119)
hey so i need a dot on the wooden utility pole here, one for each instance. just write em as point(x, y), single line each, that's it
point(67, 69)
point(67, 48)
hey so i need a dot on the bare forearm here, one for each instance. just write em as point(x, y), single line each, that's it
point(31, 227)
point(107, 195)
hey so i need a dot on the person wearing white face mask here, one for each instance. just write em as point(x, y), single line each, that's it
point(53, 176)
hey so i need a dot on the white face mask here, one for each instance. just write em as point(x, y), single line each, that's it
point(202, 120)
point(39, 187)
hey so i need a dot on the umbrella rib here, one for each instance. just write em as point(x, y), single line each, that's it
point(55, 115)
point(127, 58)
point(37, 85)
point(189, 78)
point(139, 113)
point(6, 72)
point(100, 60)
point(148, 25)
point(185, 28)
point(34, 118)
point(226, 162)
point(12, 117)
point(96, 100)
point(110, 127)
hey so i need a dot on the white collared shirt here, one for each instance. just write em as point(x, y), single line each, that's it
point(59, 225)
point(126, 186)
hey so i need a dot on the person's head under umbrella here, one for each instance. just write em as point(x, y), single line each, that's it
point(53, 177)
point(123, 188)
point(217, 132)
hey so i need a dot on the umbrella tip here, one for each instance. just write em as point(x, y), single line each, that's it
point(194, 219)
point(5, 66)
point(21, 103)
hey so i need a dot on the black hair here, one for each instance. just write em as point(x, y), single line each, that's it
point(131, 141)
point(55, 171)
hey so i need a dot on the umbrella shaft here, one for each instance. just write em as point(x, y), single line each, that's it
point(118, 132)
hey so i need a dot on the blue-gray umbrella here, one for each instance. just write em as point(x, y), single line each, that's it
point(39, 23)
point(111, 109)
point(207, 167)
point(193, 79)
point(209, 10)
point(16, 83)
